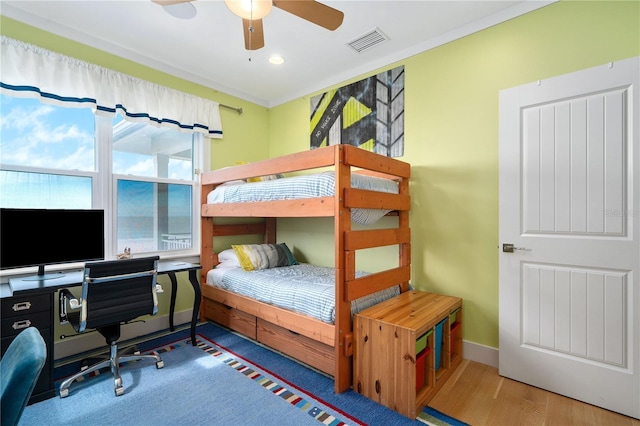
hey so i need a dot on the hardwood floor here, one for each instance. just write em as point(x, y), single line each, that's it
point(477, 395)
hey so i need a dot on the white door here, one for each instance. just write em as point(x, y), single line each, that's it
point(570, 205)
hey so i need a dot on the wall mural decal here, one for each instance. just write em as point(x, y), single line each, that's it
point(368, 114)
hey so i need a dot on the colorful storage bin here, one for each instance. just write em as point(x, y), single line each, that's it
point(421, 366)
point(454, 329)
point(438, 341)
point(421, 342)
point(453, 316)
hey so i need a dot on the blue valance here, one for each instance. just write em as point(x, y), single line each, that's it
point(31, 71)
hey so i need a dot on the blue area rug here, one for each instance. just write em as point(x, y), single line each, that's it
point(226, 379)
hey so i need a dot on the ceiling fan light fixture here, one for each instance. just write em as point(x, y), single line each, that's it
point(250, 9)
point(181, 10)
point(276, 60)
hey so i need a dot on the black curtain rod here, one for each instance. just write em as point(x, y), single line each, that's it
point(238, 110)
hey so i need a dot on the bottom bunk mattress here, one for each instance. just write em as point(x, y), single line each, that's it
point(304, 288)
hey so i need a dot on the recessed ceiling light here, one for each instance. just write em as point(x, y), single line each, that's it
point(181, 10)
point(276, 60)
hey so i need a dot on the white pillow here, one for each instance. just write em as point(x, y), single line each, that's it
point(229, 258)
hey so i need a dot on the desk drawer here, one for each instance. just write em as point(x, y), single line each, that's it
point(24, 306)
point(14, 325)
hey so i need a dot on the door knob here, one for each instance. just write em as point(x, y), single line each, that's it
point(510, 248)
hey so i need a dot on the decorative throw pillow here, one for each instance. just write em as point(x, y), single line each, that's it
point(271, 177)
point(265, 178)
point(264, 256)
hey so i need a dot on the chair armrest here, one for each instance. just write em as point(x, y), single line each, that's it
point(66, 298)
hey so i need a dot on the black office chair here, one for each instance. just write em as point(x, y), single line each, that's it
point(113, 292)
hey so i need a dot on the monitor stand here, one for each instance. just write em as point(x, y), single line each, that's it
point(42, 276)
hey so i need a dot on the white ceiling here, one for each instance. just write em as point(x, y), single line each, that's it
point(209, 48)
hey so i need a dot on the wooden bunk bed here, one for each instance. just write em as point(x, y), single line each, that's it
point(328, 347)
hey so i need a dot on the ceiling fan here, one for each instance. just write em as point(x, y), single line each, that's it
point(252, 12)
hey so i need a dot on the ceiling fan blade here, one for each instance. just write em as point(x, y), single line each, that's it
point(253, 34)
point(170, 2)
point(312, 11)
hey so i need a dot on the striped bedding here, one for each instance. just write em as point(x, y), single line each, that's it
point(304, 288)
point(304, 186)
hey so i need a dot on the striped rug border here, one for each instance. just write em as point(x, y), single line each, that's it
point(299, 401)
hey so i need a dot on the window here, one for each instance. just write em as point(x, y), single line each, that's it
point(142, 176)
point(47, 155)
point(154, 216)
point(154, 187)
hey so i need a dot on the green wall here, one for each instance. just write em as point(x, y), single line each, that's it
point(451, 138)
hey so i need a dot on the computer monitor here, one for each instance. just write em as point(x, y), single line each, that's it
point(40, 237)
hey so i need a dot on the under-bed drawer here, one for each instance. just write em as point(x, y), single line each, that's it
point(231, 318)
point(300, 347)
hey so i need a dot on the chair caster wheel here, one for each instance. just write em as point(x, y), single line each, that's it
point(64, 393)
point(159, 364)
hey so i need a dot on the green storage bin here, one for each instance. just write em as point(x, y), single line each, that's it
point(453, 316)
point(421, 342)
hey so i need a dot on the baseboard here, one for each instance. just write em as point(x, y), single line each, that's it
point(70, 346)
point(480, 353)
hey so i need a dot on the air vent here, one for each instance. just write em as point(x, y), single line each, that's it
point(368, 40)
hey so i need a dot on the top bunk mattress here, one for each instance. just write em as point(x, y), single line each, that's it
point(303, 186)
point(304, 288)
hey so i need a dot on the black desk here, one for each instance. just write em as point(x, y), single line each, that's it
point(26, 303)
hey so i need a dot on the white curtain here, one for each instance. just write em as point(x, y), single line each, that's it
point(31, 71)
